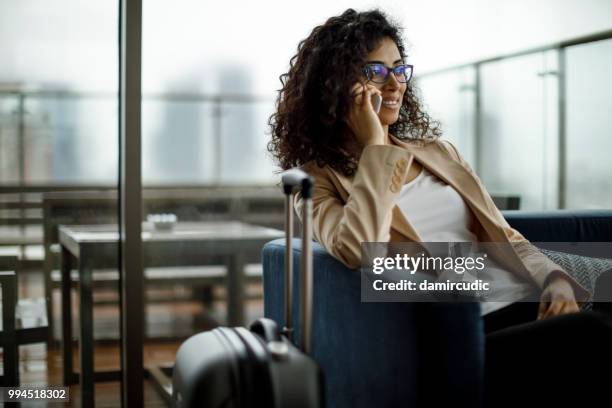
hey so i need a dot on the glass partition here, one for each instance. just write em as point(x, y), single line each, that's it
point(517, 152)
point(70, 138)
point(58, 169)
point(176, 134)
point(588, 123)
point(9, 142)
point(450, 98)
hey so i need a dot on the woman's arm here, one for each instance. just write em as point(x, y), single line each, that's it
point(366, 216)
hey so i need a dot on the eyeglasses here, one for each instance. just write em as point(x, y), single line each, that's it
point(379, 74)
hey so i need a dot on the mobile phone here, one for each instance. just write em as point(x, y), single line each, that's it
point(376, 102)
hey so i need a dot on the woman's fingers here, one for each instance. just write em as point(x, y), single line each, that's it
point(570, 306)
point(361, 118)
point(362, 95)
point(357, 89)
point(369, 91)
point(544, 303)
point(557, 308)
point(557, 299)
point(553, 310)
point(356, 94)
point(367, 99)
point(542, 309)
point(359, 92)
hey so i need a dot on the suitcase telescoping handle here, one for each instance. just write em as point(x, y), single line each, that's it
point(297, 180)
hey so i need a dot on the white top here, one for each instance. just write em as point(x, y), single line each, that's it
point(439, 214)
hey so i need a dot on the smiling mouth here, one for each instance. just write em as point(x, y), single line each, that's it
point(390, 103)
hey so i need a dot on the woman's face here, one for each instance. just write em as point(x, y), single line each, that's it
point(392, 91)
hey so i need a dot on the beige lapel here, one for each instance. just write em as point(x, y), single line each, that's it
point(435, 159)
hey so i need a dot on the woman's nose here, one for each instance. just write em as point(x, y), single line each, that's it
point(392, 82)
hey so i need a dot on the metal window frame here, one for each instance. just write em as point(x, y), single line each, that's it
point(130, 204)
point(560, 47)
point(562, 133)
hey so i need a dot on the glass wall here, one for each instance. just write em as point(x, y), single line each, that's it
point(62, 137)
point(588, 125)
point(514, 154)
point(505, 122)
point(206, 139)
point(58, 169)
point(510, 132)
point(450, 98)
point(9, 142)
point(177, 135)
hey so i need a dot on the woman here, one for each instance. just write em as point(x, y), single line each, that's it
point(388, 176)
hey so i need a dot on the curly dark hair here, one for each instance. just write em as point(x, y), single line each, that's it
point(315, 96)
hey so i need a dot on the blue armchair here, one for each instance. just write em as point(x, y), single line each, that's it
point(404, 354)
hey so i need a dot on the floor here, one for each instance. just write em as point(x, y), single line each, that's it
point(42, 367)
point(173, 314)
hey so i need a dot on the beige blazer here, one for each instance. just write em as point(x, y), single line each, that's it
point(350, 210)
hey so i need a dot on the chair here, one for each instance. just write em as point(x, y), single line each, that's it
point(14, 334)
point(563, 225)
point(380, 354)
point(405, 354)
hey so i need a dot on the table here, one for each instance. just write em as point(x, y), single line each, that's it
point(89, 247)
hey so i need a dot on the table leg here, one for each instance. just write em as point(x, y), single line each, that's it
point(66, 267)
point(86, 340)
point(11, 347)
point(235, 289)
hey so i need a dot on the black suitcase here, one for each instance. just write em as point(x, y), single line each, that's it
point(236, 367)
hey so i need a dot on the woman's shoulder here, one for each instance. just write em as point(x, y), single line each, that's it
point(328, 181)
point(314, 168)
point(453, 152)
point(449, 147)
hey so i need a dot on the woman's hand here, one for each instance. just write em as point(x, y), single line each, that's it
point(557, 299)
point(362, 119)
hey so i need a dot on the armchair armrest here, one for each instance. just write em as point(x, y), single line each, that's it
point(545, 228)
point(562, 225)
